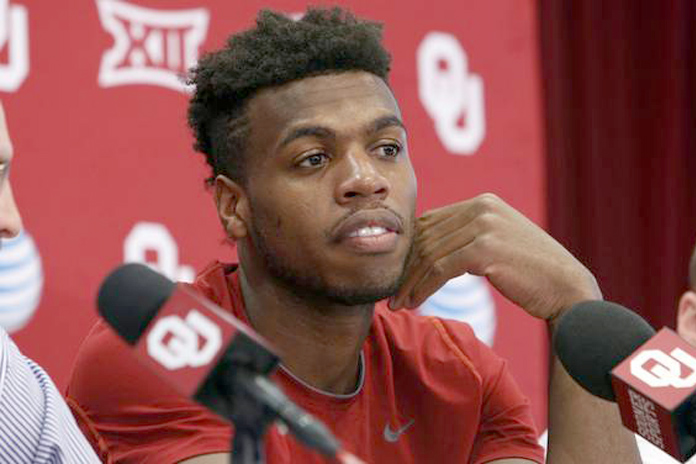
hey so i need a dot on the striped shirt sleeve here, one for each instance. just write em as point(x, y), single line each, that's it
point(36, 425)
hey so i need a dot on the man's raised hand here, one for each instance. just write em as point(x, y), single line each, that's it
point(487, 237)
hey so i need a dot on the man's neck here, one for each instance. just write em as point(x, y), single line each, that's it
point(319, 345)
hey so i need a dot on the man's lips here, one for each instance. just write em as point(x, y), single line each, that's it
point(364, 224)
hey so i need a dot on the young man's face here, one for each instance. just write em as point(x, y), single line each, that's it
point(330, 188)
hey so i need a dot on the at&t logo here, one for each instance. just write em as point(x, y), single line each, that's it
point(666, 369)
point(450, 94)
point(174, 342)
point(465, 298)
point(151, 46)
point(21, 281)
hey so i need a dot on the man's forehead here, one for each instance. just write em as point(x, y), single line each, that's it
point(302, 98)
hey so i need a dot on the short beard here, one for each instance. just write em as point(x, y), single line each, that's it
point(312, 287)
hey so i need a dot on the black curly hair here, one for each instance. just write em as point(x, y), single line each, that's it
point(278, 50)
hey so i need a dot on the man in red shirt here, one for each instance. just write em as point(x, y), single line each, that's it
point(312, 180)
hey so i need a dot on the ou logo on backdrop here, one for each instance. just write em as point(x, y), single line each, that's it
point(174, 342)
point(667, 371)
point(14, 35)
point(154, 238)
point(451, 94)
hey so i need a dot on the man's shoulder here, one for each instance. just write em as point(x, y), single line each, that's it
point(106, 367)
point(4, 339)
point(431, 342)
point(217, 282)
point(409, 327)
point(111, 390)
point(105, 363)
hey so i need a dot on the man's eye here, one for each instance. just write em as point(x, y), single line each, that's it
point(390, 151)
point(314, 160)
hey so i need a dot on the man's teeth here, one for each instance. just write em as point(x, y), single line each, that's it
point(369, 231)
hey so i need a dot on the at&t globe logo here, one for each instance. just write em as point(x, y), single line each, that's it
point(21, 281)
point(467, 299)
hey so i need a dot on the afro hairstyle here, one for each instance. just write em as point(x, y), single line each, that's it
point(276, 51)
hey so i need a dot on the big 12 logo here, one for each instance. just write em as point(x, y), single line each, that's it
point(151, 46)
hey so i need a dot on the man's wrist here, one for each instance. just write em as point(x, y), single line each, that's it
point(590, 291)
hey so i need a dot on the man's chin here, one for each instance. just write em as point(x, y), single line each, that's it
point(368, 290)
point(353, 294)
point(360, 298)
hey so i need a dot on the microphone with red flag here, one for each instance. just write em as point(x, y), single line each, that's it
point(207, 354)
point(614, 353)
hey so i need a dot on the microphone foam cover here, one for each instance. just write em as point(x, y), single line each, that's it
point(130, 297)
point(593, 337)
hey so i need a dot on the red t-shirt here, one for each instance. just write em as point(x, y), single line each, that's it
point(430, 393)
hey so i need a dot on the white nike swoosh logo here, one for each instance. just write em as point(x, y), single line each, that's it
point(392, 436)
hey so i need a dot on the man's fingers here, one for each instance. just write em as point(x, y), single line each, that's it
point(467, 259)
point(425, 255)
point(462, 212)
point(444, 232)
point(448, 249)
point(446, 225)
point(436, 277)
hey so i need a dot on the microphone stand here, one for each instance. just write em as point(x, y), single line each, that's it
point(251, 420)
point(230, 392)
point(256, 404)
point(239, 390)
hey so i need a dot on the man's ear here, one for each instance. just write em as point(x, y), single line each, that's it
point(232, 206)
point(686, 317)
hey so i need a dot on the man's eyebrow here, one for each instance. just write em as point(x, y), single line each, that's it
point(385, 122)
point(308, 131)
point(323, 132)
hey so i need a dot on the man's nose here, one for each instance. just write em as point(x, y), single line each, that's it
point(361, 179)
point(10, 219)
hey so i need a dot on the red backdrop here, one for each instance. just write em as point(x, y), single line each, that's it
point(98, 122)
point(620, 81)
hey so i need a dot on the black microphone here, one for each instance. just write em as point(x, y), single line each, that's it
point(615, 354)
point(593, 337)
point(201, 350)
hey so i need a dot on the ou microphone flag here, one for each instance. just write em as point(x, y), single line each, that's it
point(177, 333)
point(655, 390)
point(207, 354)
